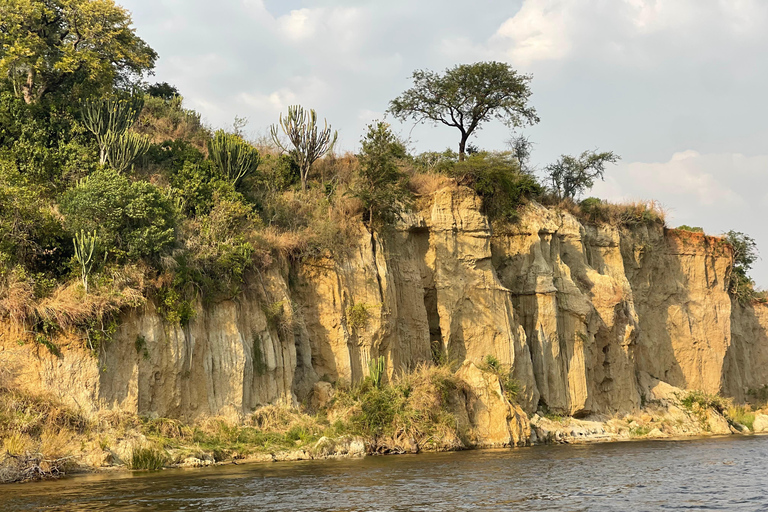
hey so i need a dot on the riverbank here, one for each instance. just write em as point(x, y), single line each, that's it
point(429, 410)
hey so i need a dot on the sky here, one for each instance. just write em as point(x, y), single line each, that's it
point(677, 88)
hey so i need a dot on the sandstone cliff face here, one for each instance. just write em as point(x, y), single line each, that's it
point(576, 311)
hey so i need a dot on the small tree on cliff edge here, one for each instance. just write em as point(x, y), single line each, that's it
point(309, 141)
point(380, 182)
point(466, 96)
point(571, 175)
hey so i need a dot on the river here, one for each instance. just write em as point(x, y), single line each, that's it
point(728, 473)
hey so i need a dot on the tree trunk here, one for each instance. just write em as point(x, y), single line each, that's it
point(28, 86)
point(463, 147)
point(304, 177)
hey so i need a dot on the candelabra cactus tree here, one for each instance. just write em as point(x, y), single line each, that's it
point(108, 118)
point(85, 248)
point(309, 142)
point(232, 156)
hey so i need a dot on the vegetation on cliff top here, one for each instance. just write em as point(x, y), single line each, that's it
point(113, 193)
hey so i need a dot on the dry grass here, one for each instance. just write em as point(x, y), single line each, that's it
point(424, 184)
point(169, 120)
point(596, 211)
point(68, 307)
point(39, 435)
point(339, 170)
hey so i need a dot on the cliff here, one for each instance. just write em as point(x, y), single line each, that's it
point(578, 312)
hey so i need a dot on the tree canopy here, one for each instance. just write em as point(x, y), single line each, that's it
point(571, 175)
point(86, 45)
point(380, 182)
point(466, 96)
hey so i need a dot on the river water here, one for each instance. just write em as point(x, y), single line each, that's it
point(729, 473)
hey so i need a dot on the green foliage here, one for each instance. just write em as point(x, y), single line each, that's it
point(167, 120)
point(376, 369)
point(108, 119)
point(308, 142)
point(491, 364)
point(742, 415)
point(147, 458)
point(43, 144)
point(30, 233)
point(173, 305)
point(358, 316)
point(274, 313)
point(133, 219)
point(233, 157)
point(466, 96)
point(85, 244)
point(692, 229)
point(163, 90)
point(699, 400)
point(497, 179)
point(279, 173)
point(125, 149)
point(381, 182)
point(596, 210)
point(639, 431)
point(259, 362)
point(509, 385)
point(741, 286)
point(570, 175)
point(141, 346)
point(69, 47)
point(98, 331)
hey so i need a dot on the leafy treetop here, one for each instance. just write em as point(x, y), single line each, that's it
point(64, 45)
point(571, 175)
point(466, 96)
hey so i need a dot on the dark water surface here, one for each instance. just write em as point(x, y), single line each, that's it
point(728, 473)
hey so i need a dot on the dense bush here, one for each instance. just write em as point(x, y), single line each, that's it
point(133, 219)
point(497, 179)
point(741, 285)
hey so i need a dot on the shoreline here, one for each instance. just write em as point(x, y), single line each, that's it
point(288, 456)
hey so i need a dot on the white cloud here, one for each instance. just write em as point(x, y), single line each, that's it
point(718, 191)
point(539, 31)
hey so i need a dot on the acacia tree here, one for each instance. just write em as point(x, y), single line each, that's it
point(571, 175)
point(48, 45)
point(466, 96)
point(309, 143)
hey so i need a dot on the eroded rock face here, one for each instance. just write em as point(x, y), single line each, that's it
point(491, 420)
point(575, 311)
point(576, 307)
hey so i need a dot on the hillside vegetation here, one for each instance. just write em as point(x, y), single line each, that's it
point(113, 193)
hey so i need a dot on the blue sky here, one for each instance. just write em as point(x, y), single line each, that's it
point(676, 87)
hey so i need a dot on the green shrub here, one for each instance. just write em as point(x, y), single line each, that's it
point(509, 385)
point(147, 458)
point(692, 229)
point(497, 179)
point(380, 184)
point(640, 431)
point(259, 362)
point(30, 233)
point(595, 210)
point(141, 346)
point(741, 415)
point(173, 306)
point(358, 316)
point(700, 400)
point(133, 219)
point(741, 285)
